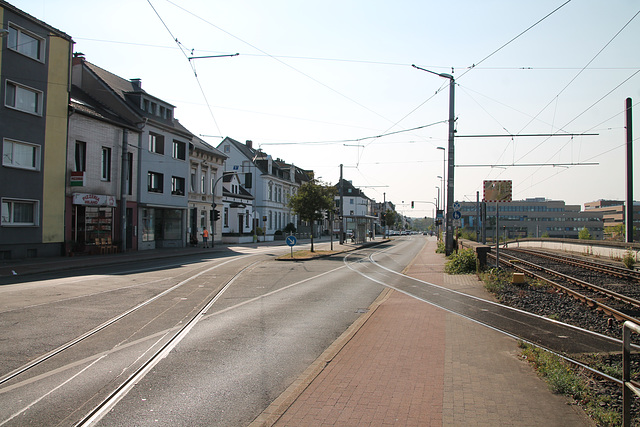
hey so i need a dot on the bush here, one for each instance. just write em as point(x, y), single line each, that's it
point(629, 260)
point(441, 249)
point(495, 280)
point(464, 262)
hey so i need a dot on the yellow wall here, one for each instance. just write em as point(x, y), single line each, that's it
point(55, 146)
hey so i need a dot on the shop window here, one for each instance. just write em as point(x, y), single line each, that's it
point(19, 212)
point(148, 225)
point(20, 155)
point(154, 182)
point(98, 223)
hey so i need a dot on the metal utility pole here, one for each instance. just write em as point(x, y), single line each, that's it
point(450, 165)
point(451, 161)
point(629, 206)
point(341, 216)
point(124, 178)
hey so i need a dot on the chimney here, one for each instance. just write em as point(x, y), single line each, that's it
point(78, 58)
point(249, 143)
point(137, 83)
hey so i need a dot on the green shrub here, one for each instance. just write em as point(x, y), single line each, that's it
point(495, 280)
point(463, 262)
point(441, 249)
point(629, 260)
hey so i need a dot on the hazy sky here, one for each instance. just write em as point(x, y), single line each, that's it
point(315, 82)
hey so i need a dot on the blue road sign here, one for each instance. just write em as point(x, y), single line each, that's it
point(291, 240)
point(456, 215)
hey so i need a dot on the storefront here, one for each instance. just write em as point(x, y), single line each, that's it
point(92, 219)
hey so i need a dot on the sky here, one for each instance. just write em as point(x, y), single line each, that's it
point(324, 84)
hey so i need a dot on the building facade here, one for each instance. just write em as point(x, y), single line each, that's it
point(535, 217)
point(34, 68)
point(95, 180)
point(271, 183)
point(163, 148)
point(205, 190)
point(357, 212)
point(613, 215)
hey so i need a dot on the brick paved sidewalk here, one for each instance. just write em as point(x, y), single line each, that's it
point(412, 364)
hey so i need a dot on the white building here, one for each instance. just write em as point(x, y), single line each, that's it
point(271, 183)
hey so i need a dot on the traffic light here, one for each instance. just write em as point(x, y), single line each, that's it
point(412, 204)
point(216, 215)
point(328, 215)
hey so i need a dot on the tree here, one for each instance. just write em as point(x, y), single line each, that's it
point(584, 234)
point(311, 200)
point(390, 218)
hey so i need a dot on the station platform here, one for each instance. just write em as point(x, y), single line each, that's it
point(408, 363)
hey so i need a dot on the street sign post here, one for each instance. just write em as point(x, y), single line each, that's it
point(291, 241)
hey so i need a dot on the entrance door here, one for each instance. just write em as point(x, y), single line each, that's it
point(241, 223)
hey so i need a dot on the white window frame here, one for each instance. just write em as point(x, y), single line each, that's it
point(19, 87)
point(179, 148)
point(9, 160)
point(156, 143)
point(19, 34)
point(155, 178)
point(8, 213)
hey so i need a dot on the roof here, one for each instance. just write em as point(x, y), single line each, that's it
point(83, 103)
point(15, 10)
point(355, 192)
point(200, 145)
point(261, 159)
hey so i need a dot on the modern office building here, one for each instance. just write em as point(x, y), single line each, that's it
point(535, 217)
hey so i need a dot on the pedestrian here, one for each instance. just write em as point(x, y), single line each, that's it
point(205, 237)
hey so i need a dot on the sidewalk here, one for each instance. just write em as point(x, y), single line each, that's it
point(45, 265)
point(408, 363)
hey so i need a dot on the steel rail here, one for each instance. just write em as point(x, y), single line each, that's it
point(37, 361)
point(114, 397)
point(590, 265)
point(618, 315)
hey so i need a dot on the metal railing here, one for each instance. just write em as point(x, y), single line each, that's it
point(628, 386)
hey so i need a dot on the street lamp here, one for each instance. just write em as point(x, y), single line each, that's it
point(452, 119)
point(438, 199)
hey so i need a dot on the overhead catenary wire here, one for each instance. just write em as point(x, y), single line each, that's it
point(182, 49)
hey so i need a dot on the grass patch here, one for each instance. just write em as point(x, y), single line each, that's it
point(306, 254)
point(563, 379)
point(495, 280)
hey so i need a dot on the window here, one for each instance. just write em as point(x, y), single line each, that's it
point(179, 150)
point(203, 180)
point(80, 164)
point(23, 98)
point(105, 164)
point(19, 212)
point(26, 44)
point(193, 181)
point(226, 217)
point(227, 149)
point(156, 143)
point(213, 183)
point(130, 182)
point(154, 182)
point(177, 186)
point(20, 155)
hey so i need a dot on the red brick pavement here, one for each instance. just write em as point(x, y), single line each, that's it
point(411, 364)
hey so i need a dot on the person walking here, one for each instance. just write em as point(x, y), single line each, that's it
point(205, 237)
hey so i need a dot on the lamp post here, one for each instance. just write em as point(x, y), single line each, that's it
point(451, 162)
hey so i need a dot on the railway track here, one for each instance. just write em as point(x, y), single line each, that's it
point(620, 300)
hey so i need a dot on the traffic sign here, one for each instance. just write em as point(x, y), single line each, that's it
point(291, 240)
point(456, 206)
point(457, 215)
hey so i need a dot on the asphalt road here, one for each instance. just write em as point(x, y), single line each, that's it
point(267, 327)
